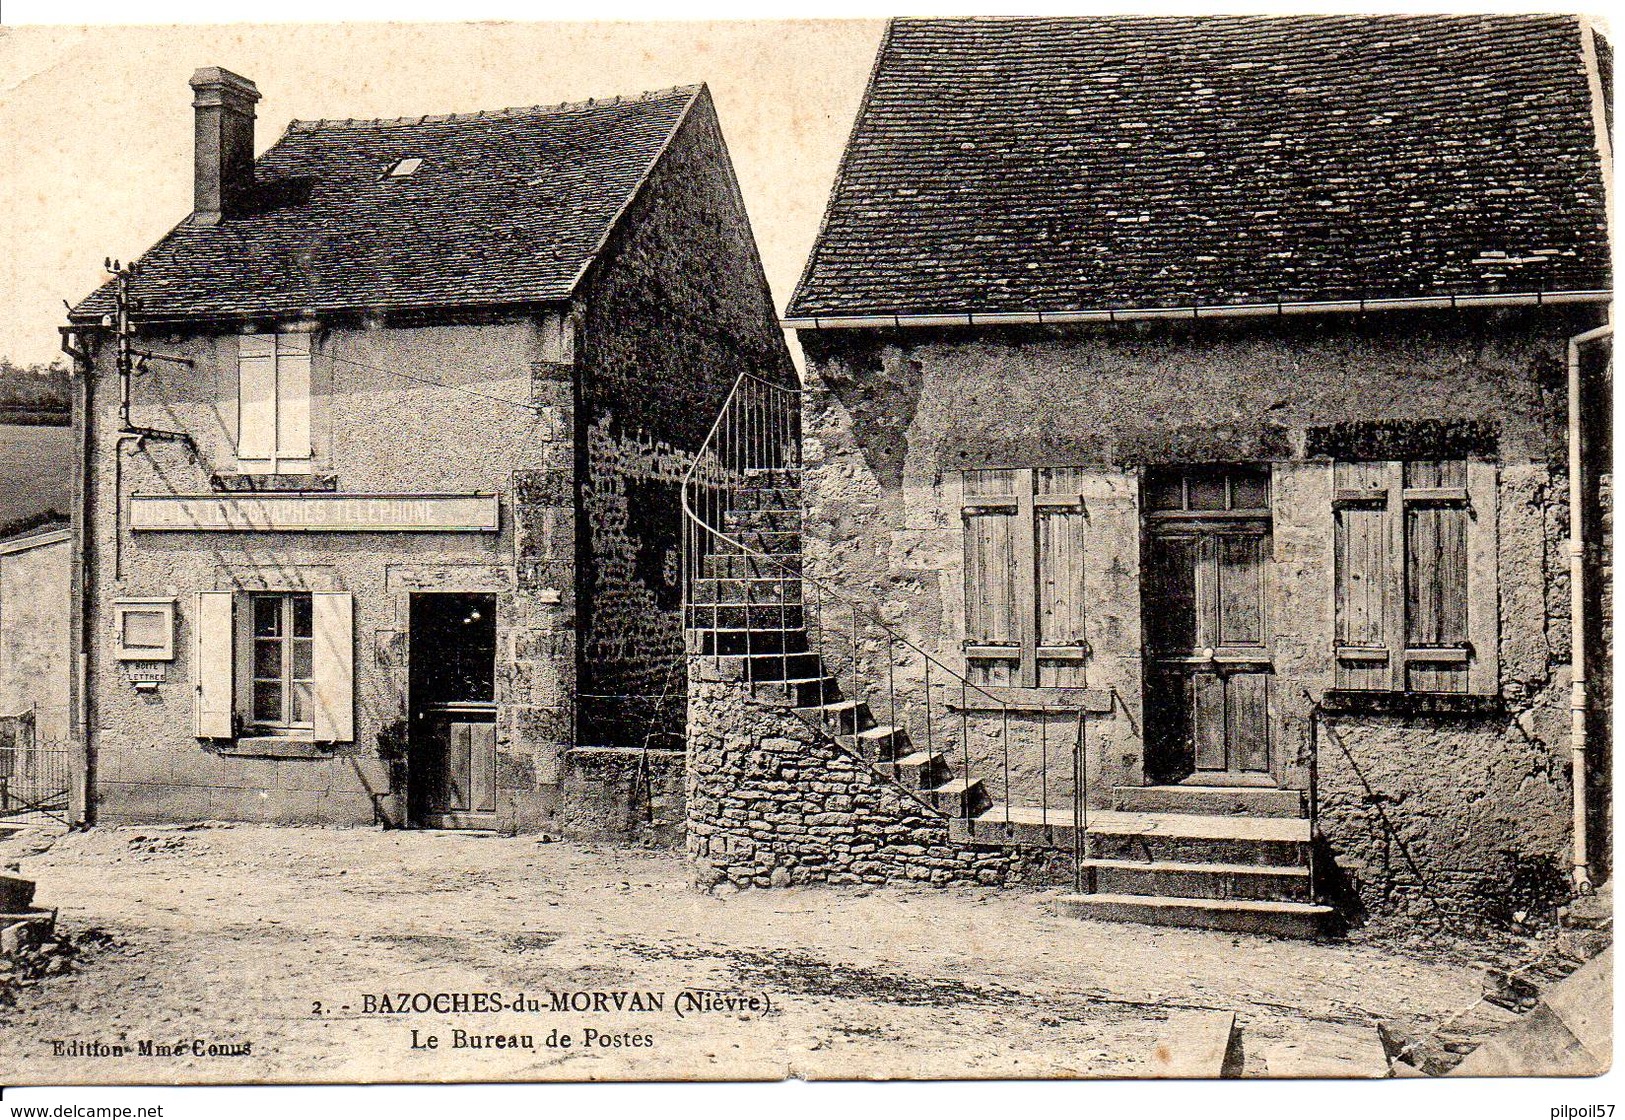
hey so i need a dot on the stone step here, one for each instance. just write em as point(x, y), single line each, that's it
point(1197, 838)
point(738, 643)
point(765, 497)
point(769, 542)
point(959, 797)
point(809, 693)
point(773, 520)
point(777, 617)
point(739, 565)
point(922, 770)
point(844, 716)
point(1210, 800)
point(1292, 830)
point(771, 478)
point(1021, 827)
point(749, 591)
point(1199, 880)
point(1283, 919)
point(882, 743)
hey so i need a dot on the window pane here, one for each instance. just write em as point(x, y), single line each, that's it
point(300, 659)
point(267, 702)
point(303, 702)
point(1206, 489)
point(301, 616)
point(267, 659)
point(146, 629)
point(1164, 490)
point(267, 616)
point(1251, 488)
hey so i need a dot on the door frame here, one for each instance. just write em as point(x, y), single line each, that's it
point(1202, 527)
point(422, 714)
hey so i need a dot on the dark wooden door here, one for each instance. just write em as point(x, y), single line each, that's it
point(453, 769)
point(463, 778)
point(1208, 664)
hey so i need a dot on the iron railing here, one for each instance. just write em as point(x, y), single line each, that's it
point(748, 596)
point(35, 776)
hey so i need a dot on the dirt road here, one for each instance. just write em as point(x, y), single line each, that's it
point(291, 941)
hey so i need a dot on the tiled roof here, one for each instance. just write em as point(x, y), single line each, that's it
point(507, 206)
point(1025, 165)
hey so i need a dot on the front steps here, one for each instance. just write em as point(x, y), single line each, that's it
point(1165, 856)
point(1282, 919)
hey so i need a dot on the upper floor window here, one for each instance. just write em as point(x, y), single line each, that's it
point(273, 403)
point(1416, 599)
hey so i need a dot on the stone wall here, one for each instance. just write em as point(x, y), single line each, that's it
point(675, 309)
point(632, 655)
point(894, 416)
point(772, 803)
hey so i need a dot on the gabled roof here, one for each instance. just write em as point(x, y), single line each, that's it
point(506, 207)
point(1051, 165)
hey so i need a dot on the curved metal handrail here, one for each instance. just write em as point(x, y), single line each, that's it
point(711, 457)
point(828, 588)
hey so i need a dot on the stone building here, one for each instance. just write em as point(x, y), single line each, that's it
point(35, 573)
point(379, 508)
point(1186, 474)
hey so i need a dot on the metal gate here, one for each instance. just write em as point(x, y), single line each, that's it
point(34, 776)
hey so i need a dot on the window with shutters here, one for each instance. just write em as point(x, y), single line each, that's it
point(1415, 576)
point(273, 403)
point(275, 663)
point(1024, 577)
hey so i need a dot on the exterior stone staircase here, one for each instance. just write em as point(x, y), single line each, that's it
point(1224, 858)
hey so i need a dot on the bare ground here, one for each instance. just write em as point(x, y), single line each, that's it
point(276, 936)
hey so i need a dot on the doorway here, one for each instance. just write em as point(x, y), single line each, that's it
point(1208, 662)
point(452, 768)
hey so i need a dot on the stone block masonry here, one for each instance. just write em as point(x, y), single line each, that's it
point(772, 803)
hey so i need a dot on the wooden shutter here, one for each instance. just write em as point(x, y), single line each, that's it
point(215, 663)
point(256, 400)
point(1435, 580)
point(992, 580)
point(1058, 539)
point(1483, 596)
point(293, 396)
point(1367, 551)
point(332, 619)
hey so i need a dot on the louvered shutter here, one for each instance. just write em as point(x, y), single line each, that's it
point(333, 656)
point(214, 665)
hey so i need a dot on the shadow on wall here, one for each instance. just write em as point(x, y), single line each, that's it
point(879, 387)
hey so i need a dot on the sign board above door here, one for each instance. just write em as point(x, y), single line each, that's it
point(315, 513)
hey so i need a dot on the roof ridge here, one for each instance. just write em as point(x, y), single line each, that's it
point(498, 114)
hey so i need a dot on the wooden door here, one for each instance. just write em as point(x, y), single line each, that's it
point(1208, 665)
point(463, 778)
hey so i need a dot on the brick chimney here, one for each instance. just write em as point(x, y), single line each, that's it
point(223, 163)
